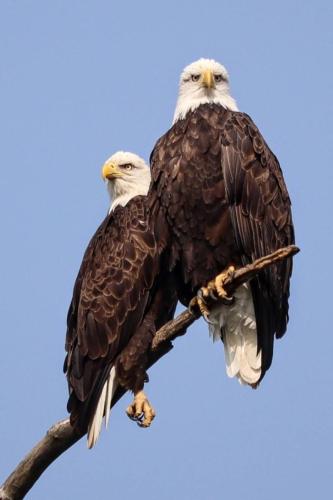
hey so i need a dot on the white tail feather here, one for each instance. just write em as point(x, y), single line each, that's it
point(111, 387)
point(237, 323)
point(102, 408)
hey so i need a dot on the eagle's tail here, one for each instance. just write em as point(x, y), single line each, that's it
point(235, 324)
point(102, 408)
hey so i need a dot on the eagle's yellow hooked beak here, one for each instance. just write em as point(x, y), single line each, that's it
point(110, 171)
point(208, 79)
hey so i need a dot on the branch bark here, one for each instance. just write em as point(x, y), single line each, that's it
point(62, 436)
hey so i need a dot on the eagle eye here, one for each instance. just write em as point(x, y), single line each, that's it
point(195, 77)
point(126, 166)
point(218, 78)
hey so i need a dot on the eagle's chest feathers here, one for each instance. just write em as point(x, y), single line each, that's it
point(194, 197)
point(200, 180)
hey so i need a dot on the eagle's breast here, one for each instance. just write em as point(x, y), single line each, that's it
point(192, 191)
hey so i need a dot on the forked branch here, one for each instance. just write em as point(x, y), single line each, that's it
point(62, 436)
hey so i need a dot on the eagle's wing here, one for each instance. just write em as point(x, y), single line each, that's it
point(110, 298)
point(262, 222)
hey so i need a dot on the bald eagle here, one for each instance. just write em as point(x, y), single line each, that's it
point(118, 303)
point(224, 201)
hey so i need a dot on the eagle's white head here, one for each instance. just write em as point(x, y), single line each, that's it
point(127, 175)
point(204, 81)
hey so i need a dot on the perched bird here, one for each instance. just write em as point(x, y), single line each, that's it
point(221, 193)
point(120, 298)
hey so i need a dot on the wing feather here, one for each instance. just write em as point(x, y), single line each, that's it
point(110, 297)
point(261, 217)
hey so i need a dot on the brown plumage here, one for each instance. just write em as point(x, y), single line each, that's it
point(118, 303)
point(221, 192)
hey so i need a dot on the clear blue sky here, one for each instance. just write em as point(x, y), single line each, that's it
point(80, 80)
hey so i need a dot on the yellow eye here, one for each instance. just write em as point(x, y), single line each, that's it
point(195, 78)
point(126, 166)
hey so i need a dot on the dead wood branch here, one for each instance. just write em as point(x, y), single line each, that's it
point(62, 436)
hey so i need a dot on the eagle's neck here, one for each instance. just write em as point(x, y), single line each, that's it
point(122, 191)
point(190, 101)
point(121, 200)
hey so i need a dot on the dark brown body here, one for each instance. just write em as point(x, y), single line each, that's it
point(119, 300)
point(224, 201)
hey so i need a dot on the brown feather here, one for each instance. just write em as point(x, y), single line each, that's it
point(110, 319)
point(224, 200)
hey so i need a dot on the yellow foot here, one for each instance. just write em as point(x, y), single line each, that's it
point(141, 410)
point(213, 291)
point(198, 305)
point(219, 283)
point(202, 295)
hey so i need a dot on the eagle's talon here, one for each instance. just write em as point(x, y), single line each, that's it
point(227, 300)
point(219, 285)
point(203, 308)
point(141, 410)
point(193, 307)
point(212, 294)
point(203, 292)
point(214, 291)
point(206, 318)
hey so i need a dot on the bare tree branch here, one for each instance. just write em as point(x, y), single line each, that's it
point(62, 436)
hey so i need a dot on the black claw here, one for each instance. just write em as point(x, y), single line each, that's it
point(137, 418)
point(206, 318)
point(212, 295)
point(228, 301)
point(140, 424)
point(193, 307)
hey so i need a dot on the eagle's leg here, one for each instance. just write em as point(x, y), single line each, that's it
point(141, 410)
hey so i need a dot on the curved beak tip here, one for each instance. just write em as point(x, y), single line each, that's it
point(109, 171)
